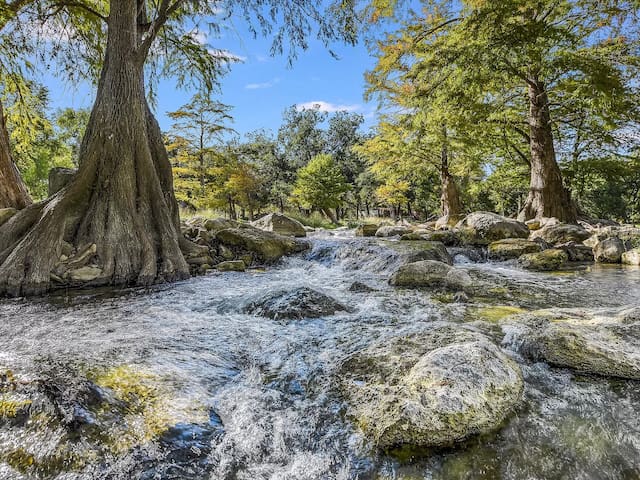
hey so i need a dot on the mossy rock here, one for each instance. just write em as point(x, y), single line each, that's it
point(268, 246)
point(600, 342)
point(431, 274)
point(547, 260)
point(432, 389)
point(495, 313)
point(511, 248)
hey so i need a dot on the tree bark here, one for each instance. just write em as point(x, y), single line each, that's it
point(13, 192)
point(450, 202)
point(547, 195)
point(122, 198)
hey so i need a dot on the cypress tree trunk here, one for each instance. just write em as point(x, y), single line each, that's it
point(120, 207)
point(13, 193)
point(547, 195)
point(450, 202)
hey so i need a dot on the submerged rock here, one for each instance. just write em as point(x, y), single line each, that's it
point(280, 224)
point(600, 342)
point(511, 248)
point(296, 304)
point(268, 246)
point(555, 234)
point(546, 260)
point(359, 287)
point(482, 228)
point(431, 273)
point(432, 389)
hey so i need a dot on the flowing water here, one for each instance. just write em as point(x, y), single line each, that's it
point(228, 395)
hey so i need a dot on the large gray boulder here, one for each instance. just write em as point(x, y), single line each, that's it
point(432, 389)
point(267, 246)
point(59, 177)
point(280, 224)
point(609, 250)
point(555, 234)
point(422, 250)
point(431, 274)
point(482, 228)
point(295, 304)
point(511, 248)
point(601, 342)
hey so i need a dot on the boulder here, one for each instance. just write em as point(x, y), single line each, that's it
point(231, 266)
point(448, 221)
point(546, 260)
point(449, 237)
point(511, 248)
point(609, 250)
point(392, 231)
point(632, 257)
point(59, 177)
point(555, 234)
point(600, 342)
point(295, 304)
point(366, 230)
point(268, 246)
point(418, 251)
point(359, 287)
point(214, 225)
point(416, 235)
point(577, 252)
point(482, 228)
point(281, 224)
point(432, 389)
point(431, 273)
point(6, 214)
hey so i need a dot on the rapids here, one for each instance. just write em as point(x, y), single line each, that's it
point(234, 396)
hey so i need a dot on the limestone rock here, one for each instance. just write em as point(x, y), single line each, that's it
point(601, 342)
point(280, 224)
point(295, 304)
point(432, 389)
point(268, 246)
point(231, 266)
point(511, 248)
point(546, 260)
point(555, 234)
point(482, 228)
point(609, 250)
point(430, 273)
point(366, 230)
point(632, 257)
point(392, 231)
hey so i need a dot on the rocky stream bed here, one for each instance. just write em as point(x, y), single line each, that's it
point(318, 368)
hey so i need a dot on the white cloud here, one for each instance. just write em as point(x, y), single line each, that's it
point(257, 86)
point(327, 107)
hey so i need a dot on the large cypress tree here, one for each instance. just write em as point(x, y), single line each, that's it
point(120, 207)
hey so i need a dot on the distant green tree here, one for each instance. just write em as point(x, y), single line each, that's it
point(320, 185)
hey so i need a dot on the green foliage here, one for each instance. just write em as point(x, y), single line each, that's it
point(320, 184)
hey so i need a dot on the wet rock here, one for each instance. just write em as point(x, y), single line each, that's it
point(392, 231)
point(555, 234)
point(482, 228)
point(359, 287)
point(533, 224)
point(600, 342)
point(447, 221)
point(577, 252)
point(296, 304)
point(468, 254)
point(609, 250)
point(280, 224)
point(546, 260)
point(418, 251)
point(430, 273)
point(432, 389)
point(60, 177)
point(268, 247)
point(232, 266)
point(366, 230)
point(511, 248)
point(416, 235)
point(450, 238)
point(203, 260)
point(6, 214)
point(632, 257)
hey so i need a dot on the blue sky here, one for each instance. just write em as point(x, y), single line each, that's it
point(262, 86)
